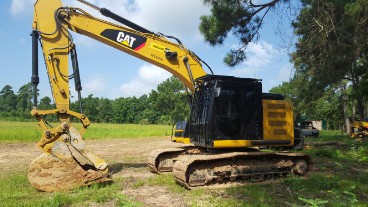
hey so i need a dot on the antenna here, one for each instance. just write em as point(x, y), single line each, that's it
point(254, 71)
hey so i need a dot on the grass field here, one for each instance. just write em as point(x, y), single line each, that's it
point(30, 132)
point(340, 178)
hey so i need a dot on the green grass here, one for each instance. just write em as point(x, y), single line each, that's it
point(19, 131)
point(98, 131)
point(334, 189)
point(16, 191)
point(11, 131)
point(167, 180)
point(340, 177)
point(330, 136)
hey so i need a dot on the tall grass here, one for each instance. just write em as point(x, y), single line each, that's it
point(99, 131)
point(11, 131)
point(340, 177)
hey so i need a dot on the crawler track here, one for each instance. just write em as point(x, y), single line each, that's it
point(193, 166)
point(200, 170)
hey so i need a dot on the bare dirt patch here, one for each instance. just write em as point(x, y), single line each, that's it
point(16, 157)
point(126, 157)
point(154, 196)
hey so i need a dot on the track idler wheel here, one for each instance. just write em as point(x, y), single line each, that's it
point(300, 167)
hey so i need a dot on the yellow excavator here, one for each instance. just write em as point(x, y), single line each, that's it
point(358, 128)
point(230, 116)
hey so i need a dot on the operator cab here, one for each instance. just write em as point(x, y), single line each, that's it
point(226, 108)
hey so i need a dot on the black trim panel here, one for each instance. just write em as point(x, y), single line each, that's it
point(270, 142)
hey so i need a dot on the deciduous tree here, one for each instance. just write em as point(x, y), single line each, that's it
point(8, 100)
point(332, 49)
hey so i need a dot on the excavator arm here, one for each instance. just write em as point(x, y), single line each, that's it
point(67, 162)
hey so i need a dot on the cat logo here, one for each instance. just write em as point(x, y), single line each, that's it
point(125, 39)
point(128, 39)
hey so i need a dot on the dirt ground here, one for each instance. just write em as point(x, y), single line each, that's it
point(126, 157)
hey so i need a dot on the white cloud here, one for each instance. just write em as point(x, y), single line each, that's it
point(148, 77)
point(260, 54)
point(176, 18)
point(285, 73)
point(244, 72)
point(95, 84)
point(20, 7)
point(281, 72)
point(259, 57)
point(85, 41)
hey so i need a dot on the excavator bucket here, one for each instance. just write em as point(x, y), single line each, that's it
point(68, 164)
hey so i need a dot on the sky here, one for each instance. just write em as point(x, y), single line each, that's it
point(109, 73)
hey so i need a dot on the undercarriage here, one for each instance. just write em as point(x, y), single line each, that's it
point(194, 166)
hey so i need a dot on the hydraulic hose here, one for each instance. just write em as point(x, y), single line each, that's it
point(35, 78)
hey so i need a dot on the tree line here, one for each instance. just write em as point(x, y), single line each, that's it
point(164, 105)
point(330, 57)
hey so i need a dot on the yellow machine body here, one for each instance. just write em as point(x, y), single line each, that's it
point(278, 127)
point(359, 129)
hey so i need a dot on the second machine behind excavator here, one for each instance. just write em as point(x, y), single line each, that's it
point(229, 117)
